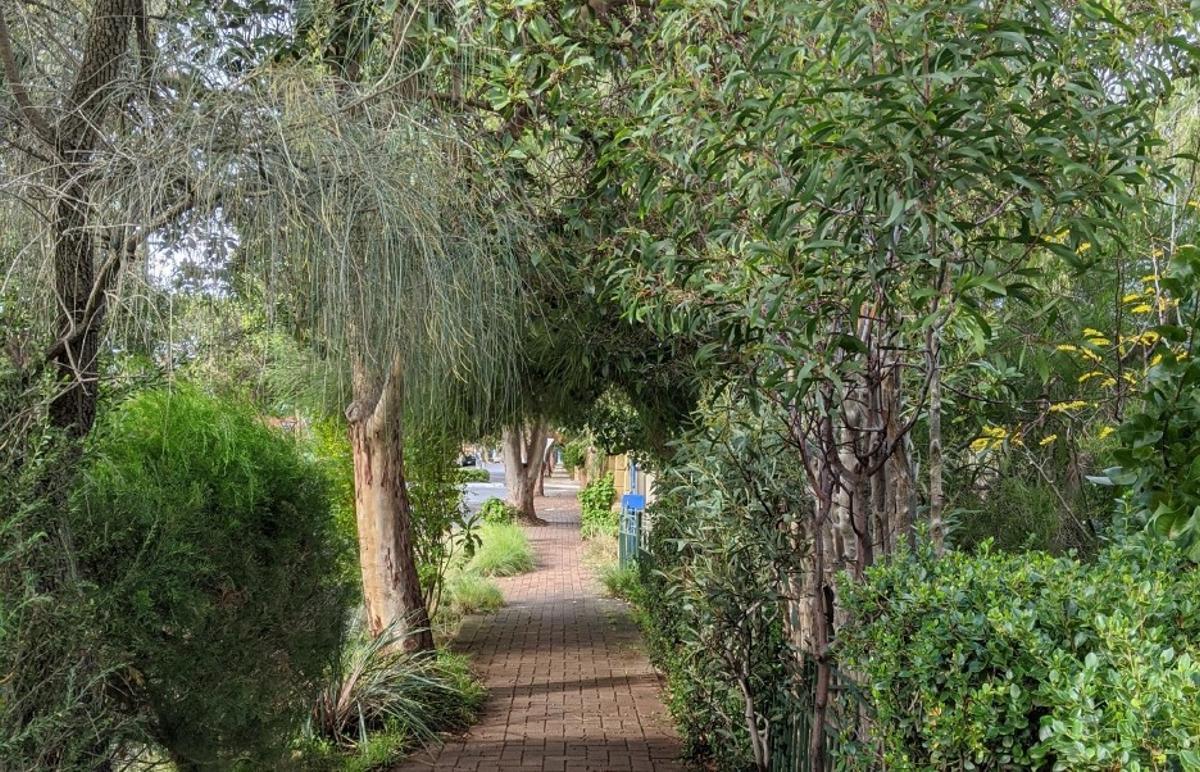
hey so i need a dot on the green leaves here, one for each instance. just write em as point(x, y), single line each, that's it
point(998, 660)
point(1159, 441)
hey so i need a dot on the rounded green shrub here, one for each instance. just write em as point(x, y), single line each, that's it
point(207, 541)
point(473, 474)
point(495, 510)
point(1001, 661)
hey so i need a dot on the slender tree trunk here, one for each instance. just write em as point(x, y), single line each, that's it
point(937, 494)
point(391, 586)
point(522, 467)
point(547, 467)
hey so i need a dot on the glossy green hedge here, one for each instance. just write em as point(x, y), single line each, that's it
point(999, 661)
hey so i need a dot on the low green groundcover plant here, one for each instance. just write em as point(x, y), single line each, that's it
point(205, 543)
point(597, 517)
point(475, 474)
point(503, 551)
point(1000, 661)
point(495, 510)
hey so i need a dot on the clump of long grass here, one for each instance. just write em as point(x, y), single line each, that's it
point(503, 551)
point(379, 690)
point(469, 593)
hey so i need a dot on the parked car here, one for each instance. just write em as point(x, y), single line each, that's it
point(468, 460)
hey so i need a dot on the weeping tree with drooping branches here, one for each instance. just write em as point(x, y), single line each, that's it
point(355, 200)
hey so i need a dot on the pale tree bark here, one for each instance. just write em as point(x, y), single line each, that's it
point(547, 467)
point(523, 447)
point(390, 583)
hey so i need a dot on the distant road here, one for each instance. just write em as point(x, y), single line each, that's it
point(477, 493)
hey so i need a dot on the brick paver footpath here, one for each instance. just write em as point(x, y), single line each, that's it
point(570, 687)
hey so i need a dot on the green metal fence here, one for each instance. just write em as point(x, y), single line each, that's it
point(630, 536)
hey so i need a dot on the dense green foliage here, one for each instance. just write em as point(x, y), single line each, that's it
point(495, 510)
point(473, 474)
point(597, 516)
point(54, 710)
point(1028, 661)
point(206, 543)
point(574, 453)
point(1159, 454)
point(832, 268)
point(711, 597)
point(442, 530)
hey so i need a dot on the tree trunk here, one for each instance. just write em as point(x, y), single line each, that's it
point(391, 586)
point(547, 467)
point(937, 494)
point(522, 467)
point(74, 140)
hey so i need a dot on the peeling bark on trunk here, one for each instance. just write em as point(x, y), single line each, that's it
point(523, 447)
point(391, 586)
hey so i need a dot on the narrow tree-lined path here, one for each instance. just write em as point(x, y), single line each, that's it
point(570, 686)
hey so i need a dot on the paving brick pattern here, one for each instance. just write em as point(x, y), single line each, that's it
point(570, 687)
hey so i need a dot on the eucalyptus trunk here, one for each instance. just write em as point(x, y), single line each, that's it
point(383, 512)
point(523, 460)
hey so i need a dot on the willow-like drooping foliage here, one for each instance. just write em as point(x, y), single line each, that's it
point(363, 211)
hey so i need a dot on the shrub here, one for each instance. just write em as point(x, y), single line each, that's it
point(597, 517)
point(207, 542)
point(574, 454)
point(503, 551)
point(378, 690)
point(1002, 661)
point(55, 711)
point(473, 474)
point(441, 528)
point(494, 510)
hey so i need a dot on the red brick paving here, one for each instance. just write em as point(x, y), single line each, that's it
point(570, 687)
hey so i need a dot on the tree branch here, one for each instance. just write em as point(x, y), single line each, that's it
point(12, 74)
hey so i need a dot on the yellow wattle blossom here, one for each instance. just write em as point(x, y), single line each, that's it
point(1063, 407)
point(1066, 347)
point(1105, 431)
point(1049, 438)
point(1150, 278)
point(1100, 341)
point(1093, 374)
point(1092, 332)
point(1149, 338)
point(1084, 247)
point(1059, 237)
point(1142, 308)
point(1092, 355)
point(1129, 378)
point(1131, 297)
point(1108, 383)
point(989, 437)
point(1157, 360)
